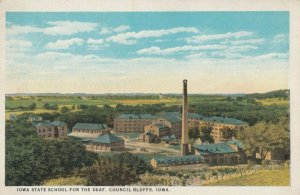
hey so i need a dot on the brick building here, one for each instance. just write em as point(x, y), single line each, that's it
point(51, 129)
point(227, 153)
point(89, 130)
point(220, 123)
point(106, 143)
point(176, 161)
point(132, 123)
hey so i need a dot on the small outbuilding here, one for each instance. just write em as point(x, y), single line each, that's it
point(107, 142)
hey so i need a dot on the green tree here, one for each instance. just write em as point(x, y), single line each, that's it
point(64, 109)
point(228, 133)
point(205, 134)
point(122, 169)
point(194, 133)
point(32, 106)
point(263, 137)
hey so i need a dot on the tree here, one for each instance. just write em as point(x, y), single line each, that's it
point(194, 133)
point(122, 169)
point(205, 134)
point(64, 109)
point(228, 133)
point(32, 106)
point(264, 137)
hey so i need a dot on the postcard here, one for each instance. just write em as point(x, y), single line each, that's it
point(150, 97)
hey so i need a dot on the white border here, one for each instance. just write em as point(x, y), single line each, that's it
point(293, 6)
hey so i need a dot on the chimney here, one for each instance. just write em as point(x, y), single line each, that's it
point(184, 137)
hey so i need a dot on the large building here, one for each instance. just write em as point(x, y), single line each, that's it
point(106, 143)
point(220, 123)
point(132, 123)
point(89, 130)
point(227, 153)
point(194, 120)
point(51, 129)
point(171, 120)
point(176, 161)
point(153, 131)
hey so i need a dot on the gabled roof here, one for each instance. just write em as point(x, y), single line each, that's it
point(90, 126)
point(223, 120)
point(134, 116)
point(50, 124)
point(219, 148)
point(107, 138)
point(179, 159)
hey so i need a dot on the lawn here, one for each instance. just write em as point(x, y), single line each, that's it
point(277, 177)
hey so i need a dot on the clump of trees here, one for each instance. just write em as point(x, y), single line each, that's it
point(50, 106)
point(264, 137)
point(32, 160)
point(121, 169)
point(203, 133)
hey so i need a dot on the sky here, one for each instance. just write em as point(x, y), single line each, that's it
point(146, 52)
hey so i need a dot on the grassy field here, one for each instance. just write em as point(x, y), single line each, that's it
point(69, 101)
point(278, 177)
point(273, 101)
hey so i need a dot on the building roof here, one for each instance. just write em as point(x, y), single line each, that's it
point(50, 124)
point(168, 138)
point(178, 159)
point(219, 148)
point(107, 138)
point(192, 115)
point(160, 126)
point(223, 120)
point(236, 142)
point(90, 126)
point(134, 116)
point(173, 117)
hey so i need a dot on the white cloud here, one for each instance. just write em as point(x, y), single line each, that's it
point(122, 28)
point(273, 56)
point(241, 48)
point(54, 28)
point(280, 39)
point(96, 44)
point(17, 46)
point(105, 30)
point(95, 41)
point(168, 51)
point(130, 38)
point(248, 41)
point(118, 29)
point(69, 27)
point(214, 37)
point(16, 29)
point(64, 44)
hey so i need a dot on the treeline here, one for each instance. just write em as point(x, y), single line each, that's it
point(32, 106)
point(283, 93)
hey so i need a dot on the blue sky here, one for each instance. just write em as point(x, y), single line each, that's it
point(115, 52)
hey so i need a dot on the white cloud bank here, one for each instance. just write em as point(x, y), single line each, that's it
point(130, 38)
point(54, 28)
point(64, 44)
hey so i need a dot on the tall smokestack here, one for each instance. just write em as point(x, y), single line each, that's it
point(184, 137)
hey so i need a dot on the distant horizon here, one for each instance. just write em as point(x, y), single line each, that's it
point(128, 52)
point(140, 93)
